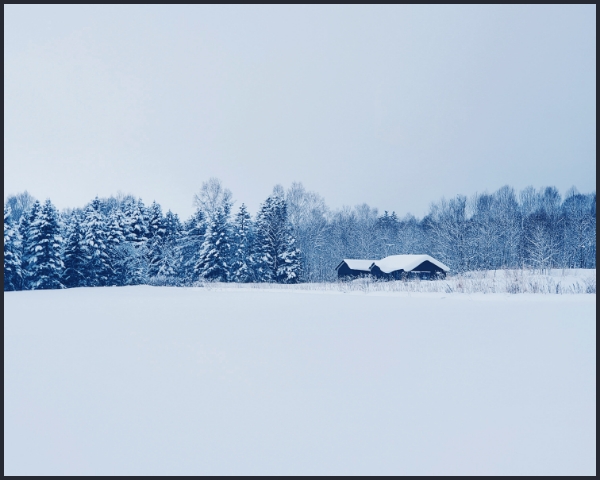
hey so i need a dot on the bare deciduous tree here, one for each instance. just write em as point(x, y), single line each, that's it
point(212, 196)
point(19, 204)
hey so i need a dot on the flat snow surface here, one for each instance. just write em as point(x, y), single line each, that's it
point(158, 380)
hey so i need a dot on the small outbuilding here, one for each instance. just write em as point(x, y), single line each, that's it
point(396, 267)
point(349, 268)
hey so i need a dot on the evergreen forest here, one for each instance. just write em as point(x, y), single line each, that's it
point(294, 237)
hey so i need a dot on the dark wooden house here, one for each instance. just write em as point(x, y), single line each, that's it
point(397, 267)
point(349, 268)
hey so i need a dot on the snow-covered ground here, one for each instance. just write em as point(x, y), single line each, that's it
point(554, 281)
point(159, 380)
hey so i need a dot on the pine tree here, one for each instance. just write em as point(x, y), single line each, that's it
point(133, 253)
point(262, 249)
point(214, 260)
point(172, 227)
point(118, 252)
point(127, 210)
point(156, 221)
point(46, 264)
point(98, 267)
point(278, 259)
point(190, 245)
point(137, 232)
point(74, 256)
point(242, 268)
point(168, 257)
point(12, 256)
point(289, 268)
point(116, 224)
point(156, 231)
point(26, 232)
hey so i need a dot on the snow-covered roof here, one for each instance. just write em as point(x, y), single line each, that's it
point(405, 262)
point(363, 265)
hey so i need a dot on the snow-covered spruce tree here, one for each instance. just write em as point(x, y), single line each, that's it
point(46, 263)
point(116, 228)
point(74, 255)
point(156, 236)
point(137, 228)
point(168, 258)
point(134, 252)
point(126, 207)
point(242, 264)
point(12, 255)
point(98, 271)
point(214, 262)
point(190, 245)
point(117, 250)
point(277, 258)
point(156, 221)
point(130, 265)
point(27, 232)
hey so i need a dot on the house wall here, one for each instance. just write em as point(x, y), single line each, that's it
point(425, 271)
point(345, 272)
point(428, 267)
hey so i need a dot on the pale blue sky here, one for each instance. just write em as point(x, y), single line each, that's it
point(395, 106)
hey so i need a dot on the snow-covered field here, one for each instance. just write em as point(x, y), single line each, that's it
point(554, 281)
point(158, 380)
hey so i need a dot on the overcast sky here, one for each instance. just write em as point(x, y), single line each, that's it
point(395, 106)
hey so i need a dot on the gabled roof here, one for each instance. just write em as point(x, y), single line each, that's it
point(362, 265)
point(407, 263)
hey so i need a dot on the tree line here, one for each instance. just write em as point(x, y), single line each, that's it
point(294, 237)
